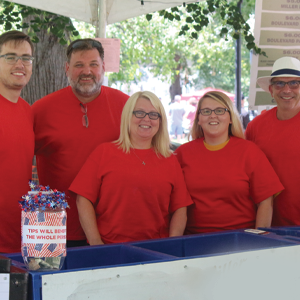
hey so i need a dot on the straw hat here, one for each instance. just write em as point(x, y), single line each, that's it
point(283, 67)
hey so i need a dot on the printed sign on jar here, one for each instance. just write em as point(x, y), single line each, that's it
point(44, 233)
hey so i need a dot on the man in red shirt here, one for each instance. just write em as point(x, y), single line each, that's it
point(276, 132)
point(16, 134)
point(70, 123)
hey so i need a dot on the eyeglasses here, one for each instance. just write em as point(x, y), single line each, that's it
point(12, 59)
point(294, 84)
point(217, 111)
point(141, 114)
point(93, 43)
point(85, 120)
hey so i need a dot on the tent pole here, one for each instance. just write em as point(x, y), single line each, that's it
point(101, 23)
point(238, 72)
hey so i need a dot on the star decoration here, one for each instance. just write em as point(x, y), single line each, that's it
point(42, 197)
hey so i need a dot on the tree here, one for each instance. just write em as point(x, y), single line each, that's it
point(167, 55)
point(50, 34)
point(154, 45)
point(48, 65)
point(206, 61)
point(197, 17)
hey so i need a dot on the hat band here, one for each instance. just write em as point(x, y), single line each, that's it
point(286, 72)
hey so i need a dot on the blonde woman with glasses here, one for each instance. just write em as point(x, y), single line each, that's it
point(133, 189)
point(229, 179)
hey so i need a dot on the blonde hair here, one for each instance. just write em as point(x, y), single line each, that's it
point(161, 141)
point(234, 129)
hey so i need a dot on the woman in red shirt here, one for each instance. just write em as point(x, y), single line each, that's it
point(133, 189)
point(229, 179)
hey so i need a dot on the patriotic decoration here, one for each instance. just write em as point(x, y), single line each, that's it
point(42, 197)
point(40, 243)
point(43, 222)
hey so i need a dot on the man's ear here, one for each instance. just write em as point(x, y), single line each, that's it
point(67, 68)
point(271, 90)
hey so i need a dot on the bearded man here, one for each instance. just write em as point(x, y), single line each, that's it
point(71, 122)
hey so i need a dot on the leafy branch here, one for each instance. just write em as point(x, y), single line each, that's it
point(199, 15)
point(15, 14)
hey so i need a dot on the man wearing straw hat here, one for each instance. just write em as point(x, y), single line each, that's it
point(277, 133)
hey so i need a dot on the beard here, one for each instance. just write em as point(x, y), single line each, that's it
point(86, 89)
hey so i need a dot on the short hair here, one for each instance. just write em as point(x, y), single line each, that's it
point(83, 45)
point(17, 37)
point(161, 140)
point(234, 129)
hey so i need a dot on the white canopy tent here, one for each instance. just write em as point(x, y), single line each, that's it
point(102, 12)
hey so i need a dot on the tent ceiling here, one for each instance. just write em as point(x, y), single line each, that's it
point(86, 10)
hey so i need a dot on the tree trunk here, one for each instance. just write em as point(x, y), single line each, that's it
point(175, 88)
point(48, 70)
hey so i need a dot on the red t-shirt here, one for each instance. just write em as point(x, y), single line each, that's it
point(62, 143)
point(225, 185)
point(132, 201)
point(280, 141)
point(16, 154)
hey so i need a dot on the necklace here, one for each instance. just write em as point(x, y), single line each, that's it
point(138, 157)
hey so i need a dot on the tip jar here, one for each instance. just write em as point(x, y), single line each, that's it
point(43, 228)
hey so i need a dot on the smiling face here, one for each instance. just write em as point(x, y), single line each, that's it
point(143, 130)
point(85, 73)
point(14, 77)
point(215, 127)
point(287, 99)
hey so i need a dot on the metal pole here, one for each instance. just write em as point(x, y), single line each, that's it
point(101, 22)
point(238, 72)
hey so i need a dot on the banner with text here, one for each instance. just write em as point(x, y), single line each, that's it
point(277, 32)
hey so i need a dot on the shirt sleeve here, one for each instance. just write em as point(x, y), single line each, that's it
point(87, 183)
point(180, 196)
point(263, 180)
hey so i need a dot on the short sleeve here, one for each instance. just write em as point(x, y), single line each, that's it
point(264, 182)
point(180, 196)
point(87, 182)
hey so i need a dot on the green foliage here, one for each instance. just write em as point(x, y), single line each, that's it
point(13, 16)
point(202, 62)
point(180, 40)
point(148, 44)
point(214, 62)
point(197, 16)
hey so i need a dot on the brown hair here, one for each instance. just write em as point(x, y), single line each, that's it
point(17, 37)
point(85, 44)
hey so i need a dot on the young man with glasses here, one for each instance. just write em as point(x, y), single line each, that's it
point(70, 123)
point(16, 134)
point(277, 133)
